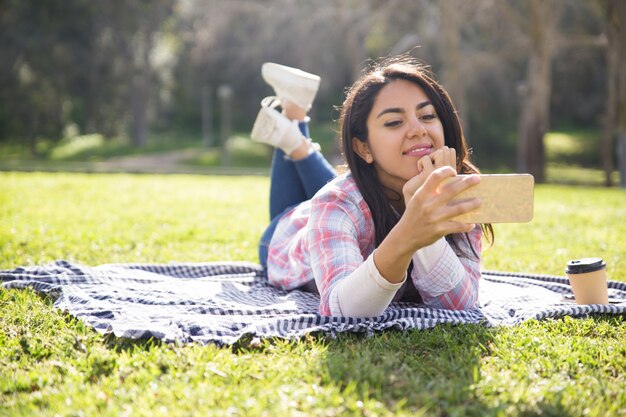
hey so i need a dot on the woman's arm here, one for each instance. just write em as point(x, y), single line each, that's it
point(340, 236)
point(365, 293)
point(340, 242)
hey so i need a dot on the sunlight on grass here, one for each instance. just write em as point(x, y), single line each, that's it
point(72, 147)
point(574, 175)
point(573, 155)
point(130, 218)
point(560, 143)
point(578, 148)
point(555, 367)
point(568, 223)
point(240, 151)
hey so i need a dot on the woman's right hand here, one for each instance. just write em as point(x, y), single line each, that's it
point(428, 213)
point(427, 218)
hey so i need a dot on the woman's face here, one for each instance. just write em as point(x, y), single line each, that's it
point(402, 128)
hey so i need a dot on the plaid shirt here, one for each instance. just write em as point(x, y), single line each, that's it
point(328, 237)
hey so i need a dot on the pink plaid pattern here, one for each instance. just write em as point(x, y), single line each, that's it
point(327, 238)
point(453, 282)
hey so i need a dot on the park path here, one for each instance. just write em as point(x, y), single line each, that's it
point(171, 161)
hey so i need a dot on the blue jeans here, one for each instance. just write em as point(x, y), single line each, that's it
point(291, 183)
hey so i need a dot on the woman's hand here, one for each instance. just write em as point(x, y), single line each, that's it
point(443, 156)
point(426, 219)
point(428, 213)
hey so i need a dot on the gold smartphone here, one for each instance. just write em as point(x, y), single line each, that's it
point(505, 198)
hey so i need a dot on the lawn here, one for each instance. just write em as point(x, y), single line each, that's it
point(50, 364)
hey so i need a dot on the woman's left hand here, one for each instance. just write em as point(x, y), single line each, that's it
point(443, 156)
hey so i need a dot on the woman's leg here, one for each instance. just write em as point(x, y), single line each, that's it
point(314, 172)
point(286, 189)
point(293, 181)
point(296, 91)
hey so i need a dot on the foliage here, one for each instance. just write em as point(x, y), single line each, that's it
point(52, 364)
point(78, 65)
point(70, 63)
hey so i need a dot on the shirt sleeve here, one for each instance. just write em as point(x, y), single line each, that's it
point(337, 242)
point(365, 293)
point(446, 279)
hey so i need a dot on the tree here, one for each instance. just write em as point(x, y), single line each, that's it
point(615, 123)
point(452, 73)
point(535, 94)
point(99, 65)
point(41, 45)
point(141, 22)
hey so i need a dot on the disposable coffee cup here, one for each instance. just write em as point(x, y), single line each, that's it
point(587, 277)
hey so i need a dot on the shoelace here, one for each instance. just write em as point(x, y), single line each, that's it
point(271, 102)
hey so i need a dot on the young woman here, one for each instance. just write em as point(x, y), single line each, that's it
point(383, 230)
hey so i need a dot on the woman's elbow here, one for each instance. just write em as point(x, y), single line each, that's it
point(465, 298)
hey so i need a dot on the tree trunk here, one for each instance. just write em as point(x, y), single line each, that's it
point(615, 122)
point(608, 143)
point(207, 116)
point(139, 92)
point(32, 134)
point(535, 113)
point(139, 109)
point(452, 59)
point(225, 94)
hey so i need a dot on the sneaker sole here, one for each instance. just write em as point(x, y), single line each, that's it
point(288, 75)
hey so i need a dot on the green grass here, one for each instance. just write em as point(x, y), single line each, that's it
point(51, 364)
point(573, 155)
point(95, 147)
point(240, 152)
point(119, 217)
point(574, 147)
point(84, 152)
point(568, 223)
point(574, 158)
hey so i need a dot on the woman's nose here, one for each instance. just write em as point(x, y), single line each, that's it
point(416, 128)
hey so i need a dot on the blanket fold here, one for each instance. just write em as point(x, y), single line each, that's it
point(221, 302)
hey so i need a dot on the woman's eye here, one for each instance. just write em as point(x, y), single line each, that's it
point(429, 116)
point(393, 123)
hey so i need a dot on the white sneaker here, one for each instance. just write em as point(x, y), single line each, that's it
point(291, 84)
point(273, 128)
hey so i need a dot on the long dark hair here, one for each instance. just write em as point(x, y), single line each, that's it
point(353, 124)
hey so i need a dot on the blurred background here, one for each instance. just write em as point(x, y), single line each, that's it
point(540, 84)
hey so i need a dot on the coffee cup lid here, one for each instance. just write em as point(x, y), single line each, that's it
point(581, 266)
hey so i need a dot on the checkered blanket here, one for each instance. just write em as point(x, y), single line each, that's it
point(222, 302)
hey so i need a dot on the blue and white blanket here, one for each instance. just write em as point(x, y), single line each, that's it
point(222, 302)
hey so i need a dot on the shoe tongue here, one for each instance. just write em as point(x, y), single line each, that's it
point(271, 102)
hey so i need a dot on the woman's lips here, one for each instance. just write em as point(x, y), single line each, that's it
point(421, 150)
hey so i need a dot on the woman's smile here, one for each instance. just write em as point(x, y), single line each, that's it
point(419, 150)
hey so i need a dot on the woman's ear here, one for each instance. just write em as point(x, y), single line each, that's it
point(362, 149)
